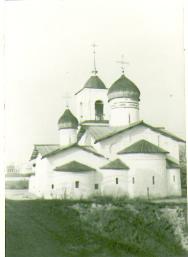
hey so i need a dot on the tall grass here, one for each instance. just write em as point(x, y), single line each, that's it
point(97, 227)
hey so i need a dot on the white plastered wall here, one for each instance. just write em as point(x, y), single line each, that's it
point(108, 182)
point(37, 183)
point(143, 167)
point(64, 185)
point(67, 136)
point(174, 182)
point(123, 111)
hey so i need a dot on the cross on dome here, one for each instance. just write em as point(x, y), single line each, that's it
point(94, 61)
point(67, 98)
point(123, 63)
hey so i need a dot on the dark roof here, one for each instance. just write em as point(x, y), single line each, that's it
point(123, 87)
point(74, 166)
point(116, 165)
point(93, 82)
point(102, 127)
point(143, 146)
point(102, 133)
point(117, 130)
point(67, 120)
point(171, 164)
point(43, 150)
point(89, 149)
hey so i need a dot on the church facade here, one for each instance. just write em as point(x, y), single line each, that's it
point(106, 149)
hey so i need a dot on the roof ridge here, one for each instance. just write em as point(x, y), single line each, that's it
point(120, 131)
point(73, 145)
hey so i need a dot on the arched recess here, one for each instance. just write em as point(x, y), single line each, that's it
point(99, 110)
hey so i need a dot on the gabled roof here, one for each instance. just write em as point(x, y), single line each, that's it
point(117, 130)
point(143, 146)
point(171, 164)
point(74, 166)
point(43, 150)
point(115, 165)
point(89, 149)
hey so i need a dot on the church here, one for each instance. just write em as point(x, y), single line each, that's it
point(105, 149)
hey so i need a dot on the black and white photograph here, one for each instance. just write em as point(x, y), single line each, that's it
point(95, 128)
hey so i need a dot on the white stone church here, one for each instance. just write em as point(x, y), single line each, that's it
point(106, 149)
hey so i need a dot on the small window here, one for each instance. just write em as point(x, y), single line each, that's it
point(81, 110)
point(52, 186)
point(174, 178)
point(34, 164)
point(77, 184)
point(96, 186)
point(153, 180)
point(129, 118)
point(133, 180)
point(117, 181)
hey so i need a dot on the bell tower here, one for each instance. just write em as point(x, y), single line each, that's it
point(91, 100)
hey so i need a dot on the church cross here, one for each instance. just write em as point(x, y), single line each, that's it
point(94, 61)
point(67, 98)
point(123, 63)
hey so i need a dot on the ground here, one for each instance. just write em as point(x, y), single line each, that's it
point(94, 228)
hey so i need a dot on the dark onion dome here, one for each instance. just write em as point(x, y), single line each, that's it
point(123, 87)
point(95, 82)
point(67, 120)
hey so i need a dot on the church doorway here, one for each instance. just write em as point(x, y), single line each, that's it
point(99, 115)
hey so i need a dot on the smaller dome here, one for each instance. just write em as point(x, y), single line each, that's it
point(123, 87)
point(67, 120)
point(95, 82)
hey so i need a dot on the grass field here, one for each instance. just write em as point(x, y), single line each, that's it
point(97, 228)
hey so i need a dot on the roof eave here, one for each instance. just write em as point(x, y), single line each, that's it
point(147, 125)
point(143, 152)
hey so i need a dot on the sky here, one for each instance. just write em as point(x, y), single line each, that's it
point(48, 55)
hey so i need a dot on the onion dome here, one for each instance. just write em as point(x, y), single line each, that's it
point(95, 82)
point(123, 87)
point(67, 120)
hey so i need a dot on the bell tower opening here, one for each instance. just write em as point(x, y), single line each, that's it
point(99, 115)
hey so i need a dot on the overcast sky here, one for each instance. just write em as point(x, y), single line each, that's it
point(48, 53)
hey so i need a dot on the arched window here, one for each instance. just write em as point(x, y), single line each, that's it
point(99, 115)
